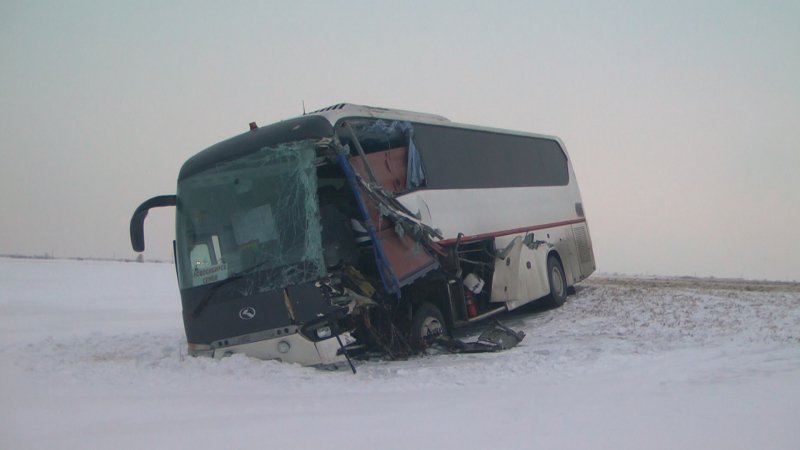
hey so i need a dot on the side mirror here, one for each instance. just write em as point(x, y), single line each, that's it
point(137, 221)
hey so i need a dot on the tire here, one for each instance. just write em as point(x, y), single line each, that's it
point(558, 283)
point(427, 324)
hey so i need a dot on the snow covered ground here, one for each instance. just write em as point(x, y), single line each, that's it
point(93, 356)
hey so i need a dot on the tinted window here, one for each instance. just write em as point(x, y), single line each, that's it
point(456, 158)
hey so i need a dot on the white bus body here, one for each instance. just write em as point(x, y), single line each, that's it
point(359, 227)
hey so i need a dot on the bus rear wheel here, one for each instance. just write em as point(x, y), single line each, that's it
point(558, 283)
point(427, 324)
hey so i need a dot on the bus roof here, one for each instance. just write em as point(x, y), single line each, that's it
point(318, 124)
point(339, 111)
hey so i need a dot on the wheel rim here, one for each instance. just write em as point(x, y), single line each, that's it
point(558, 282)
point(431, 327)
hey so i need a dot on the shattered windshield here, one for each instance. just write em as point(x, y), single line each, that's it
point(256, 212)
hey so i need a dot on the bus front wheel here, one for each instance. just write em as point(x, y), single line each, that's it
point(427, 325)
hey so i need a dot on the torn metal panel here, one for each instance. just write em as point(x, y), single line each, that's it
point(407, 259)
point(389, 167)
point(307, 302)
point(388, 279)
point(380, 135)
point(517, 275)
point(495, 338)
point(390, 172)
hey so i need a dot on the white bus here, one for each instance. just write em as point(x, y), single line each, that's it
point(356, 228)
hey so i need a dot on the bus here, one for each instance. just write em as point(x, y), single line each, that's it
point(362, 229)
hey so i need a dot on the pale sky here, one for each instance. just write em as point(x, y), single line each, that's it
point(682, 119)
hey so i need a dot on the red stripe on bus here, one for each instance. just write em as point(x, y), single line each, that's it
point(478, 237)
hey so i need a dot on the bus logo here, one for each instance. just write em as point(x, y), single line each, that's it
point(247, 313)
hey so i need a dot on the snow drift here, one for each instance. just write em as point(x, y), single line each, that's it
point(94, 357)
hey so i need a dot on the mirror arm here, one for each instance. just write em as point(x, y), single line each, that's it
point(137, 221)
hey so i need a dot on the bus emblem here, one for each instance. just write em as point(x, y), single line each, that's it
point(247, 313)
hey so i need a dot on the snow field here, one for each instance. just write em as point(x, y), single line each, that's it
point(94, 357)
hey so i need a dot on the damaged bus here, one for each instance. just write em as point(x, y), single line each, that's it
point(360, 229)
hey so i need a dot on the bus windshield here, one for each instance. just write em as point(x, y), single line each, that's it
point(258, 212)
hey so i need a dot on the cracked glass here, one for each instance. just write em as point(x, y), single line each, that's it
point(255, 214)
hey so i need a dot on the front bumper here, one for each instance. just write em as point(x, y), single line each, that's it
point(291, 348)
